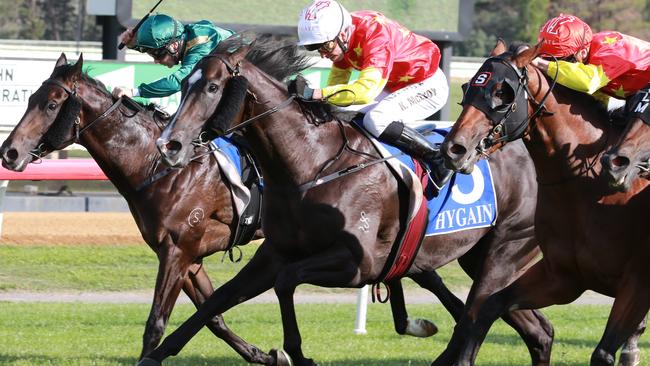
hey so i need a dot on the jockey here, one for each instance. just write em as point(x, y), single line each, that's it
point(169, 42)
point(607, 64)
point(399, 81)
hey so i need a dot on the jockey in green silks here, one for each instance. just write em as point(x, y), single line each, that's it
point(170, 42)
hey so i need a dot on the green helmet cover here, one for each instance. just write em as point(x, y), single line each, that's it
point(157, 31)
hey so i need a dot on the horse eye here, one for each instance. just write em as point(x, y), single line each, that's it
point(51, 106)
point(213, 88)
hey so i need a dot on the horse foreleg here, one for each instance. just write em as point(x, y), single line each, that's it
point(171, 271)
point(536, 331)
point(198, 287)
point(536, 288)
point(331, 269)
point(257, 276)
point(629, 309)
point(630, 353)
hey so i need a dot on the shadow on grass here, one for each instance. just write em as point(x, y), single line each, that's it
point(506, 339)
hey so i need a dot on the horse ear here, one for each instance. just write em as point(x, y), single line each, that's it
point(526, 56)
point(62, 60)
point(77, 68)
point(499, 48)
point(239, 54)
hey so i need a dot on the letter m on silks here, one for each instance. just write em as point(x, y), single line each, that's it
point(643, 104)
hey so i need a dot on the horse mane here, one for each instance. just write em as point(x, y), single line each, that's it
point(58, 132)
point(279, 57)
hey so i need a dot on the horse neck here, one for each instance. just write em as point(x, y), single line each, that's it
point(291, 151)
point(122, 147)
point(565, 144)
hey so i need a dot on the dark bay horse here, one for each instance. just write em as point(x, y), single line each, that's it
point(337, 234)
point(122, 142)
point(630, 156)
point(591, 236)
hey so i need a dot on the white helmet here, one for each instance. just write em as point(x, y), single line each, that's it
point(322, 21)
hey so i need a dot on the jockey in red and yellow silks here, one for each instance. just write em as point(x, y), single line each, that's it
point(399, 80)
point(609, 63)
point(387, 56)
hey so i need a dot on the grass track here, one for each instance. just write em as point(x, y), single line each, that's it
point(120, 268)
point(85, 334)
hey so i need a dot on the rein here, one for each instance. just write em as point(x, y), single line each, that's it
point(522, 84)
point(235, 71)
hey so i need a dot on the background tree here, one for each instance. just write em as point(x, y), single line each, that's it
point(521, 20)
point(30, 19)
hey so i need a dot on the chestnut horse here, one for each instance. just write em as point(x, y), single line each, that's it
point(316, 235)
point(630, 156)
point(592, 237)
point(121, 138)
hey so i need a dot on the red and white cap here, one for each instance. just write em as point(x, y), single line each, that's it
point(322, 21)
point(564, 36)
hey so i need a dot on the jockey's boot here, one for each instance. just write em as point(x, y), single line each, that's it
point(414, 144)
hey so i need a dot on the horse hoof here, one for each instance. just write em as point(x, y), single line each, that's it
point(148, 362)
point(630, 358)
point(420, 328)
point(282, 358)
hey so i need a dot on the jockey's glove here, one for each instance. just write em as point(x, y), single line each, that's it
point(300, 88)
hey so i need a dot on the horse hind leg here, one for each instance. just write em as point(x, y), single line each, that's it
point(422, 327)
point(198, 287)
point(630, 353)
point(335, 268)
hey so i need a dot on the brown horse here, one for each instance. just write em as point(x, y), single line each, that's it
point(591, 236)
point(164, 203)
point(630, 156)
point(338, 234)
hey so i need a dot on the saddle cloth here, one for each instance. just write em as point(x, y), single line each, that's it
point(245, 183)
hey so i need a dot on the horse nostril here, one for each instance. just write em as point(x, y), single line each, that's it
point(620, 162)
point(10, 155)
point(457, 149)
point(173, 147)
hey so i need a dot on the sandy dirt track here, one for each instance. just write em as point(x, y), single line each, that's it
point(69, 228)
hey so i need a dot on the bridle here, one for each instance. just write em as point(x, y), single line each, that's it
point(78, 130)
point(234, 71)
point(509, 120)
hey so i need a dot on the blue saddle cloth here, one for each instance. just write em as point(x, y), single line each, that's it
point(466, 202)
point(231, 150)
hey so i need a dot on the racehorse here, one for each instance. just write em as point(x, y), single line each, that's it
point(630, 156)
point(340, 233)
point(591, 236)
point(183, 214)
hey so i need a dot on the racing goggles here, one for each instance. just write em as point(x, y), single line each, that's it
point(156, 53)
point(325, 47)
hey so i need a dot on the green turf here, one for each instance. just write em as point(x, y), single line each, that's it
point(91, 334)
point(119, 268)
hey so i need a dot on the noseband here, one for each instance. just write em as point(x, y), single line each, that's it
point(72, 93)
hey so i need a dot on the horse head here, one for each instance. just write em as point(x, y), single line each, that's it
point(215, 92)
point(222, 91)
point(54, 104)
point(495, 108)
point(630, 156)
